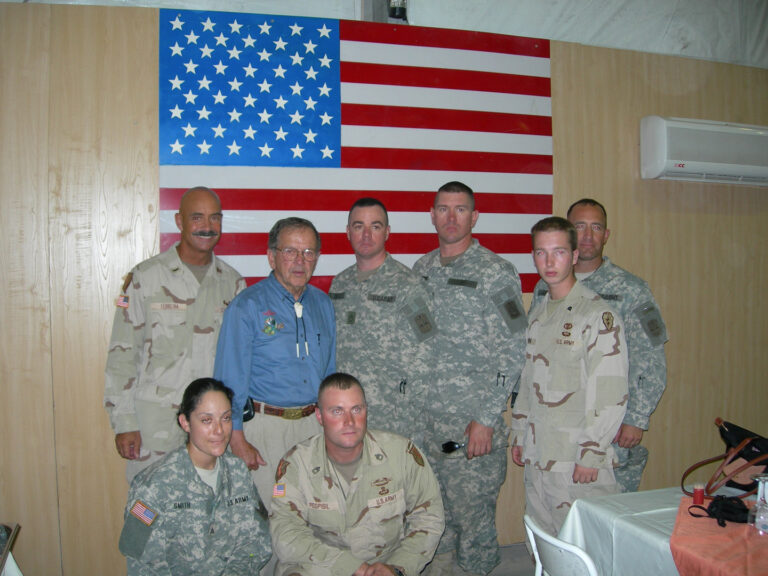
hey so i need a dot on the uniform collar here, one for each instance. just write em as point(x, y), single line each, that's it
point(383, 266)
point(196, 483)
point(282, 291)
point(473, 247)
point(176, 264)
point(373, 454)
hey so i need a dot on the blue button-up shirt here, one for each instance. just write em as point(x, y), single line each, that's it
point(266, 352)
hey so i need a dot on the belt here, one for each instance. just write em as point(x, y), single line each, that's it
point(287, 413)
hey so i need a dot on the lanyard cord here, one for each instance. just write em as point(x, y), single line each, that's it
point(298, 308)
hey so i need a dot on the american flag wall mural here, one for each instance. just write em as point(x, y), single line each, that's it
point(284, 115)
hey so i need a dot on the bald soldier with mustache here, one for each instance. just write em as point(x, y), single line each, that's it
point(164, 335)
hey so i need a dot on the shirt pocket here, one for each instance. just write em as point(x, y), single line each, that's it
point(245, 545)
point(185, 548)
point(168, 326)
point(560, 371)
point(325, 519)
point(384, 523)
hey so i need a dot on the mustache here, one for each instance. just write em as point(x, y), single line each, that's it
point(205, 233)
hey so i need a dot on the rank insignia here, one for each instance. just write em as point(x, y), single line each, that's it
point(608, 320)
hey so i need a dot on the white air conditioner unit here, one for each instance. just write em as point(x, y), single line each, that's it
point(703, 151)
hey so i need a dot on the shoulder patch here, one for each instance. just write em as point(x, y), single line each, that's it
point(510, 308)
point(137, 529)
point(608, 320)
point(278, 491)
point(420, 319)
point(281, 468)
point(650, 319)
point(127, 282)
point(143, 512)
point(413, 451)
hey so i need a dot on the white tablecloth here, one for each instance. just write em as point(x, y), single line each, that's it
point(626, 534)
point(11, 569)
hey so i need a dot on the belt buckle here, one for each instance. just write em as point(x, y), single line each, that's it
point(293, 413)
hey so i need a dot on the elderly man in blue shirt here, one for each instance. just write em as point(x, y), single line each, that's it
point(277, 343)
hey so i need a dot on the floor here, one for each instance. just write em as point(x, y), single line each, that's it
point(515, 561)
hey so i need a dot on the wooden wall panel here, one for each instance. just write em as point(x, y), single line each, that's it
point(104, 207)
point(27, 457)
point(703, 248)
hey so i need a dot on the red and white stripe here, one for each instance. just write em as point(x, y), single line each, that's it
point(420, 107)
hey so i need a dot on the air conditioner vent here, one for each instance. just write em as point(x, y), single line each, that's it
point(703, 151)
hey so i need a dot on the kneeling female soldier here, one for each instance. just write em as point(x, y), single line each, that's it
point(196, 511)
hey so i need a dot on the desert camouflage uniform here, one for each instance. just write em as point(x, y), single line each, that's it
point(646, 335)
point(383, 331)
point(195, 532)
point(572, 399)
point(161, 341)
point(391, 512)
point(479, 352)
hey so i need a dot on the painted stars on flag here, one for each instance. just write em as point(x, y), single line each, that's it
point(240, 89)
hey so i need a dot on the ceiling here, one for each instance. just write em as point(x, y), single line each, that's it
point(733, 31)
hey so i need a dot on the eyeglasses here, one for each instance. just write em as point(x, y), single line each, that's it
point(291, 254)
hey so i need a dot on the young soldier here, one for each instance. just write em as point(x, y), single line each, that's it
point(573, 388)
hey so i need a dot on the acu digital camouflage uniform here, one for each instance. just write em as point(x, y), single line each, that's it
point(391, 512)
point(478, 355)
point(194, 531)
point(572, 398)
point(164, 336)
point(383, 332)
point(646, 335)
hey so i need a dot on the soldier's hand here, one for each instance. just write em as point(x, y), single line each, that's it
point(245, 451)
point(480, 439)
point(584, 475)
point(517, 455)
point(628, 436)
point(128, 444)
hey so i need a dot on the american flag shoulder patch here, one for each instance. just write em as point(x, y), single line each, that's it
point(122, 301)
point(143, 513)
point(278, 491)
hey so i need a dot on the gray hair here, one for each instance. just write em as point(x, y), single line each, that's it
point(293, 222)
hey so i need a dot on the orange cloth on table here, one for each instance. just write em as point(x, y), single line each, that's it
point(701, 547)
